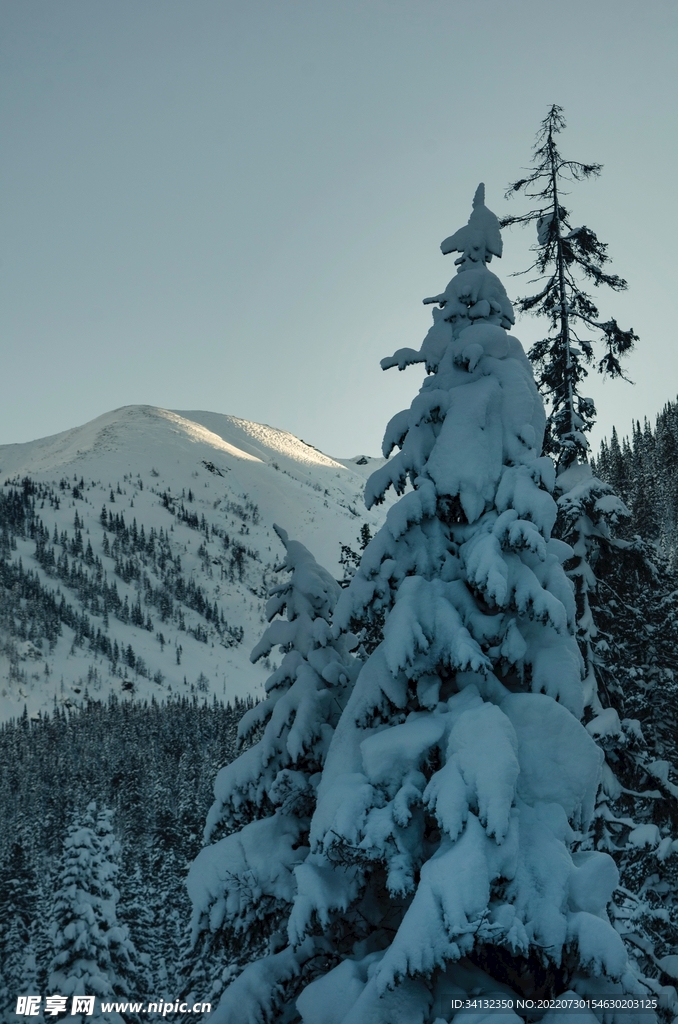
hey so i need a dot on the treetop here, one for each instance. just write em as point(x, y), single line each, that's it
point(480, 239)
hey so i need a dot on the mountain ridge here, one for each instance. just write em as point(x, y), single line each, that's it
point(146, 534)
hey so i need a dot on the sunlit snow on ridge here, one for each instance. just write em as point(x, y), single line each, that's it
point(260, 438)
point(236, 437)
point(105, 433)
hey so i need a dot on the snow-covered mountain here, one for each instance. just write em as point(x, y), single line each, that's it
point(136, 551)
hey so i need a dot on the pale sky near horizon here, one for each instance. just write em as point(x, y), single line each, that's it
point(237, 206)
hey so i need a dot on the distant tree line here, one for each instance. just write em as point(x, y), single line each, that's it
point(643, 470)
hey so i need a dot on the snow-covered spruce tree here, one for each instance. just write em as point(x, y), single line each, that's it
point(145, 920)
point(242, 885)
point(459, 775)
point(168, 866)
point(92, 952)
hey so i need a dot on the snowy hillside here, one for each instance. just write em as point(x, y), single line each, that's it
point(136, 551)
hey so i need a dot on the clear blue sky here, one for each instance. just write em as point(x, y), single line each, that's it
point(237, 206)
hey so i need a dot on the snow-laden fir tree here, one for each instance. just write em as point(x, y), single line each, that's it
point(242, 885)
point(141, 912)
point(459, 779)
point(168, 866)
point(93, 954)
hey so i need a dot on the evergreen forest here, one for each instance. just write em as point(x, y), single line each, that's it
point(457, 790)
point(150, 767)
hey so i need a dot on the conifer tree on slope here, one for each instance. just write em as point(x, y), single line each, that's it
point(459, 776)
point(591, 517)
point(168, 866)
point(92, 951)
point(242, 885)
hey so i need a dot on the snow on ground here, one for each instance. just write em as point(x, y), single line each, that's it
point(167, 470)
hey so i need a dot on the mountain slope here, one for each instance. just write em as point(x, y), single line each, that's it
point(136, 551)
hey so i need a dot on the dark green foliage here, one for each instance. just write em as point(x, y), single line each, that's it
point(635, 607)
point(563, 256)
point(19, 897)
point(350, 559)
point(368, 628)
